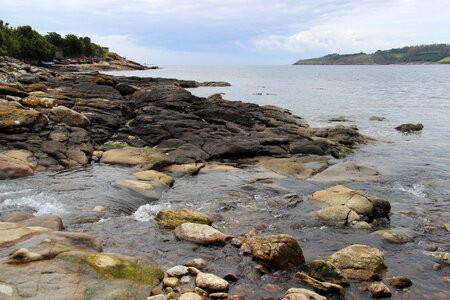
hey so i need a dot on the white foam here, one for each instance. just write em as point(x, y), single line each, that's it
point(41, 203)
point(417, 189)
point(147, 212)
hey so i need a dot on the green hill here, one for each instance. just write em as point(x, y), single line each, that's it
point(424, 54)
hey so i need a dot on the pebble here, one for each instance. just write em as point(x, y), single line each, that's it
point(177, 271)
point(99, 208)
point(171, 282)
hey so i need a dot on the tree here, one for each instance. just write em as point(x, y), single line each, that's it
point(32, 44)
point(73, 47)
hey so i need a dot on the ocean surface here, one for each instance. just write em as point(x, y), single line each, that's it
point(415, 177)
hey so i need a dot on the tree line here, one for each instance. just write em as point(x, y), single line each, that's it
point(24, 42)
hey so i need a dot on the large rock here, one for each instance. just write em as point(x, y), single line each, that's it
point(302, 294)
point(12, 91)
point(280, 251)
point(347, 206)
point(393, 236)
point(319, 286)
point(211, 283)
point(171, 218)
point(27, 78)
point(347, 171)
point(12, 167)
point(13, 119)
point(200, 234)
point(62, 114)
point(408, 128)
point(325, 271)
point(135, 156)
point(12, 233)
point(379, 290)
point(359, 262)
point(345, 135)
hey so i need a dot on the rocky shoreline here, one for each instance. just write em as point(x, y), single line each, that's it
point(51, 121)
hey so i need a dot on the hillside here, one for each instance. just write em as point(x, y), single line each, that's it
point(424, 54)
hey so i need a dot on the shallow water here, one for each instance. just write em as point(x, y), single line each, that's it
point(415, 178)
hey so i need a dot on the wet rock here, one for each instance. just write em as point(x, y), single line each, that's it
point(211, 167)
point(39, 101)
point(319, 286)
point(211, 283)
point(346, 172)
point(136, 184)
point(440, 256)
point(16, 216)
point(190, 296)
point(339, 119)
point(21, 120)
point(157, 297)
point(359, 262)
point(52, 222)
point(171, 281)
point(12, 233)
point(393, 236)
point(62, 114)
point(12, 91)
point(171, 218)
point(126, 89)
point(27, 78)
point(344, 135)
point(198, 263)
point(347, 206)
point(36, 87)
point(325, 271)
point(400, 282)
point(377, 118)
point(152, 175)
point(409, 127)
point(298, 167)
point(218, 295)
point(379, 290)
point(177, 271)
point(99, 208)
point(302, 294)
point(135, 156)
point(280, 251)
point(200, 234)
point(191, 169)
point(13, 168)
point(447, 227)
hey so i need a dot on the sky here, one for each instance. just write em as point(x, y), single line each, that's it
point(169, 32)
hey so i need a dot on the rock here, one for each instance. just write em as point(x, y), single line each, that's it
point(447, 227)
point(319, 286)
point(126, 89)
point(279, 251)
point(379, 290)
point(211, 283)
point(36, 87)
point(200, 234)
point(325, 271)
point(345, 135)
point(216, 97)
point(218, 295)
point(27, 78)
point(6, 290)
point(302, 294)
point(211, 167)
point(348, 206)
point(408, 128)
point(377, 118)
point(16, 216)
point(12, 233)
point(171, 218)
point(62, 114)
point(136, 184)
point(14, 119)
point(171, 281)
point(152, 175)
point(347, 171)
point(393, 236)
point(198, 263)
point(88, 90)
point(190, 296)
point(298, 167)
point(441, 256)
point(12, 91)
point(359, 262)
point(52, 222)
point(191, 169)
point(339, 119)
point(13, 167)
point(104, 80)
point(157, 297)
point(437, 267)
point(99, 208)
point(39, 101)
point(177, 271)
point(400, 282)
point(135, 156)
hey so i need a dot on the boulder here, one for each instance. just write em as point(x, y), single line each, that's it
point(152, 175)
point(13, 119)
point(171, 218)
point(126, 89)
point(12, 167)
point(338, 215)
point(52, 222)
point(347, 171)
point(177, 271)
point(393, 236)
point(297, 167)
point(302, 294)
point(345, 135)
point(400, 282)
point(62, 114)
point(200, 234)
point(280, 251)
point(190, 296)
point(319, 286)
point(135, 156)
point(211, 283)
point(12, 233)
point(379, 290)
point(27, 78)
point(190, 169)
point(325, 271)
point(408, 128)
point(359, 262)
point(377, 118)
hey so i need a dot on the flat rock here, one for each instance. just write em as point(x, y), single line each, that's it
point(393, 236)
point(297, 167)
point(12, 167)
point(359, 262)
point(52, 222)
point(152, 175)
point(347, 171)
point(12, 233)
point(211, 283)
point(200, 234)
point(135, 156)
point(13, 119)
point(70, 117)
point(171, 218)
point(136, 184)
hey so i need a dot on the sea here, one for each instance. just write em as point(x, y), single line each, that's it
point(415, 177)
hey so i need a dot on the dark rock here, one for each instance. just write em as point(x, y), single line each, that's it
point(400, 282)
point(28, 78)
point(126, 89)
point(11, 90)
point(325, 271)
point(408, 128)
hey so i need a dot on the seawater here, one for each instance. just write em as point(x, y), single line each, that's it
point(415, 177)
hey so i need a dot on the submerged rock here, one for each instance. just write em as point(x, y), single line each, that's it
point(280, 251)
point(135, 156)
point(171, 218)
point(152, 175)
point(347, 171)
point(379, 290)
point(200, 234)
point(393, 236)
point(319, 286)
point(400, 282)
point(325, 271)
point(441, 256)
point(359, 262)
point(409, 127)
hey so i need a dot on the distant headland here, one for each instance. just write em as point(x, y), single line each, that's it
point(423, 54)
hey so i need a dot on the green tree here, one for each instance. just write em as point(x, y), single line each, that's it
point(32, 44)
point(73, 47)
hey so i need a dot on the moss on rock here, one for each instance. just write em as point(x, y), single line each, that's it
point(171, 218)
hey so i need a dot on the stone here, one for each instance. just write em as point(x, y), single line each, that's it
point(171, 218)
point(136, 184)
point(171, 281)
point(27, 78)
point(400, 282)
point(211, 283)
point(14, 119)
point(359, 262)
point(6, 290)
point(62, 114)
point(190, 169)
point(135, 156)
point(12, 91)
point(190, 296)
point(177, 271)
point(409, 127)
point(99, 208)
point(52, 222)
point(157, 297)
point(347, 171)
point(39, 101)
point(198, 263)
point(218, 295)
point(377, 118)
point(447, 227)
point(126, 89)
point(200, 234)
point(319, 286)
point(280, 251)
point(152, 175)
point(36, 87)
point(338, 215)
point(297, 167)
point(440, 256)
point(302, 294)
point(325, 271)
point(393, 236)
point(12, 233)
point(12, 167)
point(339, 119)
point(379, 290)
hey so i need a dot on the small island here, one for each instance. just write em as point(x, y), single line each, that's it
point(424, 54)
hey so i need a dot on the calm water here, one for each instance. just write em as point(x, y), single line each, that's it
point(415, 177)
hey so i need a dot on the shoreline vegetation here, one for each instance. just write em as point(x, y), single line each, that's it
point(424, 54)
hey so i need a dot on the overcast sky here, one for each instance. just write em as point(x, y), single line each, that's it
point(237, 31)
